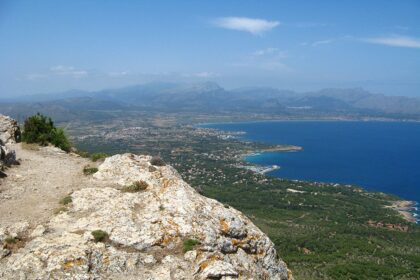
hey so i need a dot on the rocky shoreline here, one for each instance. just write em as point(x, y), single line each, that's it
point(406, 209)
point(279, 148)
point(264, 169)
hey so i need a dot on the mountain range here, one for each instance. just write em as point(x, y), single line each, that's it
point(209, 97)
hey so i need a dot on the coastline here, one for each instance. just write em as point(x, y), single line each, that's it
point(264, 169)
point(405, 208)
point(331, 119)
point(276, 148)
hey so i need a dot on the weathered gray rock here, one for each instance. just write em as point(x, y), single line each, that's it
point(147, 230)
point(9, 134)
point(9, 130)
point(7, 156)
point(17, 229)
point(4, 252)
point(38, 231)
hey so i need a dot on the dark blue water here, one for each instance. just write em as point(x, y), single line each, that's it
point(379, 156)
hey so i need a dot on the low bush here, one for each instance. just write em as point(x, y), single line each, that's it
point(41, 130)
point(157, 161)
point(100, 235)
point(189, 244)
point(11, 240)
point(88, 170)
point(66, 200)
point(136, 187)
point(152, 168)
point(97, 156)
point(83, 154)
point(60, 139)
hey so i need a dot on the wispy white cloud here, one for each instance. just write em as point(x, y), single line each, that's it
point(395, 41)
point(204, 75)
point(63, 72)
point(68, 71)
point(273, 53)
point(254, 26)
point(322, 42)
point(118, 74)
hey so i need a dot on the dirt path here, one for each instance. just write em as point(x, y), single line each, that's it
point(32, 191)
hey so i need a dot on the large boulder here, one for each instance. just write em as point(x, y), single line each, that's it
point(9, 134)
point(163, 230)
point(9, 131)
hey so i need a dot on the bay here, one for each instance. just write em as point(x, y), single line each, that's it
point(379, 156)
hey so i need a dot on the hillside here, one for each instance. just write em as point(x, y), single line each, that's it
point(163, 229)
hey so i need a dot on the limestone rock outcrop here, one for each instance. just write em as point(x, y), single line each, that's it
point(9, 130)
point(9, 134)
point(163, 230)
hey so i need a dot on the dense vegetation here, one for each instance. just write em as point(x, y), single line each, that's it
point(41, 130)
point(322, 232)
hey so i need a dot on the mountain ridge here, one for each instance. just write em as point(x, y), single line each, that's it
point(212, 98)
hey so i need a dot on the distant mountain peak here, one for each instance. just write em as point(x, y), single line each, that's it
point(204, 86)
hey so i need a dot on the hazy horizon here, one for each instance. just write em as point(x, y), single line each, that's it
point(49, 46)
point(302, 90)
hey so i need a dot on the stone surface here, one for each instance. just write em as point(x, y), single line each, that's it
point(146, 232)
point(7, 156)
point(38, 231)
point(17, 229)
point(9, 134)
point(9, 130)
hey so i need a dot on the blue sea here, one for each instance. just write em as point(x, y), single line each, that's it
point(379, 156)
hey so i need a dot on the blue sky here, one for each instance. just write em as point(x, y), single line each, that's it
point(50, 46)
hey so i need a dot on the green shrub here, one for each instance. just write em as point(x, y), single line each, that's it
point(40, 129)
point(152, 168)
point(66, 200)
point(83, 154)
point(189, 244)
point(60, 139)
point(97, 156)
point(99, 235)
point(10, 240)
point(87, 170)
point(136, 187)
point(157, 161)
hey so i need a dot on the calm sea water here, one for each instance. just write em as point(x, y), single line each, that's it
point(379, 156)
